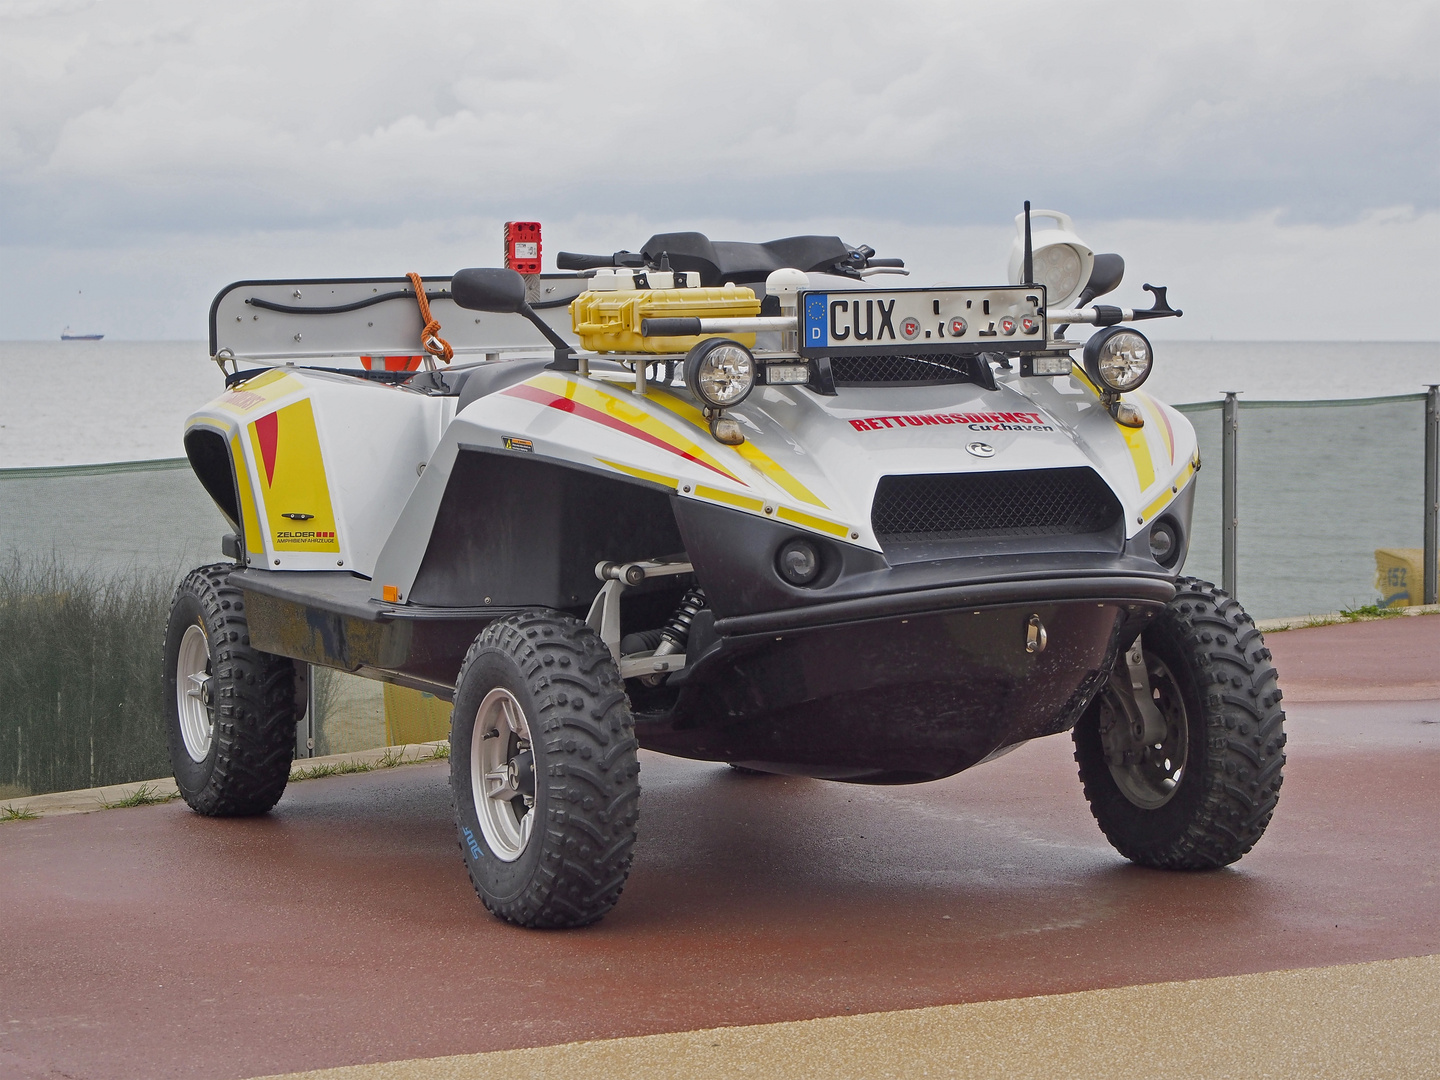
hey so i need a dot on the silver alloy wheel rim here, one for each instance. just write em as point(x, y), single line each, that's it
point(1147, 775)
point(500, 749)
point(192, 691)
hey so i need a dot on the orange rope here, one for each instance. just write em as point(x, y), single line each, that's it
point(430, 340)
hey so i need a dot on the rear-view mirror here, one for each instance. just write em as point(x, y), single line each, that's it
point(486, 288)
point(1105, 277)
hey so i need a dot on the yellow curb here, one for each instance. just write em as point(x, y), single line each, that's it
point(1372, 1020)
point(88, 800)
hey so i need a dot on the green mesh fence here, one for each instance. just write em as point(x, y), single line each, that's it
point(1322, 485)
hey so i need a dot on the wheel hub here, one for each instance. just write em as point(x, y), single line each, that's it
point(502, 774)
point(194, 694)
point(1144, 730)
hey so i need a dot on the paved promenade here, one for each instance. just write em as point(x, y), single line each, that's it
point(872, 931)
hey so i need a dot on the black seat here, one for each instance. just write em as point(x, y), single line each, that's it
point(719, 261)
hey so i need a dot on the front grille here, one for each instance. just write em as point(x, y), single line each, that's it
point(962, 506)
point(893, 369)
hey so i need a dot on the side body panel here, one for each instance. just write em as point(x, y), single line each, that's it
point(322, 464)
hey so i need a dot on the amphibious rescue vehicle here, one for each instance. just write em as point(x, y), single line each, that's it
point(751, 503)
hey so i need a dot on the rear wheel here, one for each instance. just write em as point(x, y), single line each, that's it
point(1181, 753)
point(232, 708)
point(544, 771)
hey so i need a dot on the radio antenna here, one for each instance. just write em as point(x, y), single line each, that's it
point(1029, 253)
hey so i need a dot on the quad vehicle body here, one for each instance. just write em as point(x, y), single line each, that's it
point(978, 545)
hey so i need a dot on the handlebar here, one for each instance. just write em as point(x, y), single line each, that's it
point(571, 260)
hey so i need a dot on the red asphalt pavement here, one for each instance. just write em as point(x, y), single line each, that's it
point(341, 928)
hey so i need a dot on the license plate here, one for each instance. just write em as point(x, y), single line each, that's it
point(1008, 318)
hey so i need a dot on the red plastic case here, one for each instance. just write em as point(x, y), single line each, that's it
point(522, 246)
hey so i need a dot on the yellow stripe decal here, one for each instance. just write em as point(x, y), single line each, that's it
point(249, 518)
point(810, 521)
point(1167, 497)
point(1079, 373)
point(615, 410)
point(1134, 437)
point(291, 479)
point(246, 397)
point(744, 502)
point(1158, 505)
point(1140, 454)
point(753, 455)
point(1161, 422)
point(642, 474)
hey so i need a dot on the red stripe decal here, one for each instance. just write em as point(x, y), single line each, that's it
point(544, 397)
point(267, 429)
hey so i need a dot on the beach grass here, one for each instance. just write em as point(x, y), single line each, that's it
point(392, 757)
point(80, 675)
point(144, 795)
point(1369, 611)
point(333, 768)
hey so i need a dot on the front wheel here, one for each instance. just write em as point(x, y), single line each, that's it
point(544, 771)
point(1182, 751)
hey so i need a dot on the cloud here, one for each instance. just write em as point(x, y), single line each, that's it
point(211, 132)
point(315, 113)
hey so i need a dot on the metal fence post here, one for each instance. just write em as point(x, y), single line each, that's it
point(1229, 478)
point(305, 726)
point(1432, 490)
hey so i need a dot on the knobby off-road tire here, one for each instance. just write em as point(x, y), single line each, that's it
point(231, 709)
point(1234, 753)
point(542, 730)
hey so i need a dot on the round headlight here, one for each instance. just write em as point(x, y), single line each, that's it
point(720, 372)
point(798, 562)
point(1118, 358)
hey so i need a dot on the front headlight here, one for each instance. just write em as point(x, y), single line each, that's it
point(720, 372)
point(1118, 358)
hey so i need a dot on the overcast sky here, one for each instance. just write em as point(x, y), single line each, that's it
point(1276, 164)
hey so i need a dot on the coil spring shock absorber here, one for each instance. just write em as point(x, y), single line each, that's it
point(676, 633)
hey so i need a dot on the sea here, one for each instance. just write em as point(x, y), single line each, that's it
point(1322, 488)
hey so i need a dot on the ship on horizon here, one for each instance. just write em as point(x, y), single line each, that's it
point(67, 335)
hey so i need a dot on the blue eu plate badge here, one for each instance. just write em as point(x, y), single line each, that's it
point(817, 305)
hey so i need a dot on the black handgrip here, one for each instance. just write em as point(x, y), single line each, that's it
point(886, 262)
point(1161, 308)
point(570, 260)
point(669, 327)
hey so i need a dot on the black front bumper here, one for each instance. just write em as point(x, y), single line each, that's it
point(902, 688)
